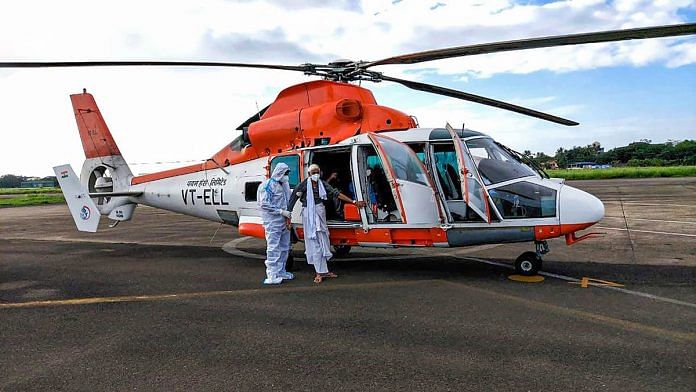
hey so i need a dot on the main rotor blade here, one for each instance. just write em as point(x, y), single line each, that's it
point(60, 64)
point(479, 99)
point(543, 42)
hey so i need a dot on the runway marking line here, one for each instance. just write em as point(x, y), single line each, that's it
point(637, 203)
point(646, 231)
point(593, 317)
point(205, 294)
point(651, 220)
point(606, 320)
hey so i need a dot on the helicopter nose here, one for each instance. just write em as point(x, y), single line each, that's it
point(579, 207)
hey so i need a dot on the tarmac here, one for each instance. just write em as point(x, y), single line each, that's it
point(168, 302)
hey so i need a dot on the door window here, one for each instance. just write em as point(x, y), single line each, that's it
point(471, 184)
point(293, 162)
point(447, 170)
point(403, 160)
point(377, 192)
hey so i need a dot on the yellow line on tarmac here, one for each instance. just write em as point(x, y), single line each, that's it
point(204, 294)
point(588, 316)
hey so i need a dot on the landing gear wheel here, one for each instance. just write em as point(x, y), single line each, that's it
point(341, 250)
point(528, 264)
point(290, 264)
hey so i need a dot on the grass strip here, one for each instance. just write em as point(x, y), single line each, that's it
point(30, 200)
point(625, 172)
point(27, 191)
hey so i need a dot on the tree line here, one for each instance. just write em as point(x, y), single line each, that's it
point(640, 153)
point(14, 181)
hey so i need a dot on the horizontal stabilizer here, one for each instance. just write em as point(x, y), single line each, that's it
point(82, 208)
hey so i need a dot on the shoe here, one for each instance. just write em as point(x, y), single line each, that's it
point(286, 275)
point(277, 280)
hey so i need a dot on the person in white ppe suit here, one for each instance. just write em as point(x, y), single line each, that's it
point(313, 192)
point(272, 196)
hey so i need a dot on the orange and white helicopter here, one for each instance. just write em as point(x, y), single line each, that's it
point(423, 186)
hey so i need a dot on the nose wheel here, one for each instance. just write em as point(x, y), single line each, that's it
point(528, 264)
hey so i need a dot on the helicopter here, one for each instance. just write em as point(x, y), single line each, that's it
point(423, 187)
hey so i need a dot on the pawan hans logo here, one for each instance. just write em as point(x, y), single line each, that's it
point(85, 213)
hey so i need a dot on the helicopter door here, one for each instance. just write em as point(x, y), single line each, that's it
point(414, 194)
point(473, 191)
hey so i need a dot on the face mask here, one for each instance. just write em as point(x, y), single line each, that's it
point(315, 177)
point(368, 172)
point(285, 178)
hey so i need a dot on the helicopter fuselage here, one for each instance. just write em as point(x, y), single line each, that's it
point(421, 208)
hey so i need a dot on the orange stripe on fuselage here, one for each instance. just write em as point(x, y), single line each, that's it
point(179, 171)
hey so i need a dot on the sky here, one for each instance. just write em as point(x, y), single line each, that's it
point(167, 117)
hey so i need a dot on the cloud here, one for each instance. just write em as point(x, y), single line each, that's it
point(348, 5)
point(464, 23)
point(270, 45)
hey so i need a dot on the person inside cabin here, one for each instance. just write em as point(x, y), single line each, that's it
point(272, 196)
point(347, 188)
point(380, 194)
point(314, 193)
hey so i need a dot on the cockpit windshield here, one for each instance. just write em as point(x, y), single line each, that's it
point(495, 164)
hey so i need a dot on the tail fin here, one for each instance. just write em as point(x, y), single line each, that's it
point(82, 208)
point(104, 165)
point(96, 139)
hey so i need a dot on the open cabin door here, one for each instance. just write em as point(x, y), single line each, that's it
point(409, 182)
point(473, 191)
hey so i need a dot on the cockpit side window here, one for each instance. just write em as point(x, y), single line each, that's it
point(495, 164)
point(237, 143)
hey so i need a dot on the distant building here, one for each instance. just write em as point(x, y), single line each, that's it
point(587, 165)
point(37, 184)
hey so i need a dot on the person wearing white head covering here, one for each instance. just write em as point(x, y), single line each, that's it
point(272, 196)
point(313, 192)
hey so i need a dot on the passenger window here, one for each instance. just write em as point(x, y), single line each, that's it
point(524, 200)
point(293, 162)
point(250, 189)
